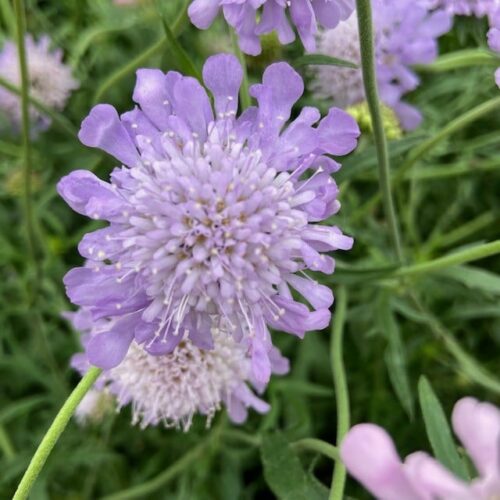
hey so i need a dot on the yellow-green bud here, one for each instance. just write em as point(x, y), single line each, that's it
point(361, 114)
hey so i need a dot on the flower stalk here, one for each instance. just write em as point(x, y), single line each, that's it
point(54, 433)
point(366, 39)
point(341, 389)
point(27, 153)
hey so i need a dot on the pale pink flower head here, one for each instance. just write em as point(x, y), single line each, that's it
point(370, 456)
point(50, 80)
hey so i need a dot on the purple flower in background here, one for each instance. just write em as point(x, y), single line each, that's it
point(478, 8)
point(95, 406)
point(51, 82)
point(252, 18)
point(370, 456)
point(170, 389)
point(212, 221)
point(405, 34)
point(344, 85)
point(494, 37)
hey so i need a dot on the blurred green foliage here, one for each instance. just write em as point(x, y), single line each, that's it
point(443, 324)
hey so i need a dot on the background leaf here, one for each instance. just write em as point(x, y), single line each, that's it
point(438, 430)
point(395, 357)
point(283, 471)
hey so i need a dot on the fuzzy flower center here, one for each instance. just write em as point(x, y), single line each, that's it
point(172, 388)
point(213, 221)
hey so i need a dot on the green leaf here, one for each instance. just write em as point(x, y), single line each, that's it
point(283, 470)
point(395, 358)
point(462, 59)
point(184, 62)
point(323, 60)
point(350, 275)
point(474, 277)
point(438, 430)
point(303, 388)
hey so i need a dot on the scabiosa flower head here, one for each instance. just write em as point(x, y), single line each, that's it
point(211, 218)
point(252, 18)
point(50, 79)
point(370, 456)
point(171, 388)
point(344, 85)
point(494, 37)
point(405, 34)
point(478, 8)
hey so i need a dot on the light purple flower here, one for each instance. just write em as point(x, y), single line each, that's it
point(51, 81)
point(370, 456)
point(405, 34)
point(494, 37)
point(478, 8)
point(171, 388)
point(211, 219)
point(252, 18)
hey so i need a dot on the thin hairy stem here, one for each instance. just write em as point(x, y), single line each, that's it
point(27, 153)
point(366, 39)
point(54, 433)
point(317, 446)
point(341, 389)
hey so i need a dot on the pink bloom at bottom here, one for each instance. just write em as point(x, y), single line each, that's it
point(371, 457)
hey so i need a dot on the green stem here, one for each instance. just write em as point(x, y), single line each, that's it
point(366, 39)
point(145, 489)
point(467, 255)
point(241, 436)
point(245, 98)
point(456, 170)
point(462, 232)
point(26, 140)
point(341, 389)
point(154, 49)
point(54, 433)
point(318, 446)
point(63, 123)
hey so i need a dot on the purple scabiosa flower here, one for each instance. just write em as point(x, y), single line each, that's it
point(242, 15)
point(405, 34)
point(51, 81)
point(370, 456)
point(171, 388)
point(344, 85)
point(478, 8)
point(494, 37)
point(212, 216)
